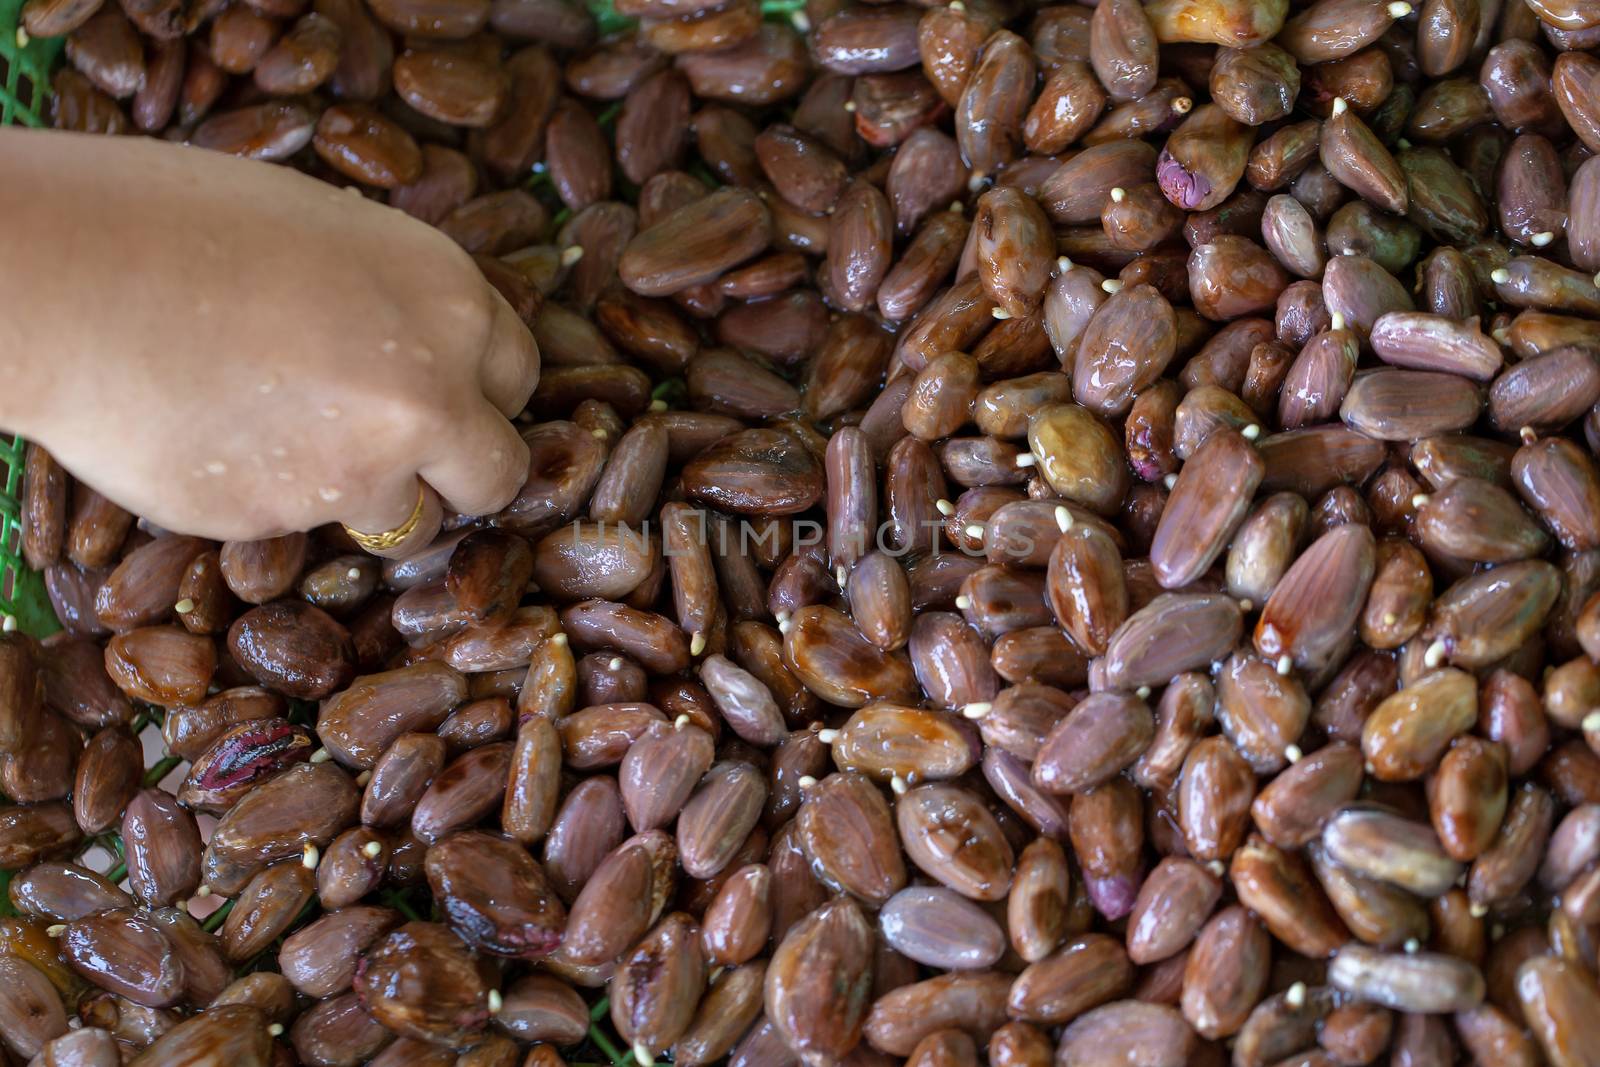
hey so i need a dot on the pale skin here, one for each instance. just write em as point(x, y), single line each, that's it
point(235, 350)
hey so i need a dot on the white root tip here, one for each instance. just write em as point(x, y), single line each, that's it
point(1399, 9)
point(1339, 105)
point(1591, 722)
point(22, 37)
point(1527, 435)
point(275, 1030)
point(1216, 868)
point(1501, 335)
point(321, 755)
point(977, 180)
point(782, 617)
point(681, 721)
point(1118, 195)
point(1000, 313)
point(963, 602)
point(898, 785)
point(55, 929)
point(697, 644)
point(850, 105)
point(1476, 910)
point(840, 576)
point(496, 1002)
point(8, 624)
point(1063, 518)
point(955, 206)
point(945, 507)
point(1284, 665)
point(977, 709)
point(1336, 321)
point(1499, 276)
point(1390, 618)
point(801, 23)
point(1539, 240)
point(1434, 655)
point(363, 778)
point(1411, 946)
point(1170, 481)
point(1111, 285)
point(1027, 459)
point(1251, 432)
point(806, 781)
point(658, 405)
point(559, 640)
point(310, 856)
point(957, 5)
point(1143, 692)
point(353, 573)
point(1420, 500)
point(371, 849)
point(1063, 264)
point(784, 626)
point(184, 606)
point(1295, 996)
point(1292, 753)
point(598, 431)
point(615, 664)
point(571, 254)
point(827, 737)
point(975, 532)
point(642, 1055)
point(203, 891)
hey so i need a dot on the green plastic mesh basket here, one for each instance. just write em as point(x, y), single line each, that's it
point(24, 85)
point(24, 70)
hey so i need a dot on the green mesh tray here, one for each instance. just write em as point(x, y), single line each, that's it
point(24, 84)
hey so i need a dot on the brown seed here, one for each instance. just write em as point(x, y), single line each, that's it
point(1083, 974)
point(1383, 846)
point(819, 983)
point(126, 954)
point(1226, 973)
point(1096, 740)
point(1417, 982)
point(1203, 160)
point(847, 831)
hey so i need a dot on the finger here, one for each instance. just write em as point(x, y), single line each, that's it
point(393, 509)
point(485, 463)
point(510, 366)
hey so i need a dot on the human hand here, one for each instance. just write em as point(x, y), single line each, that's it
point(236, 350)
